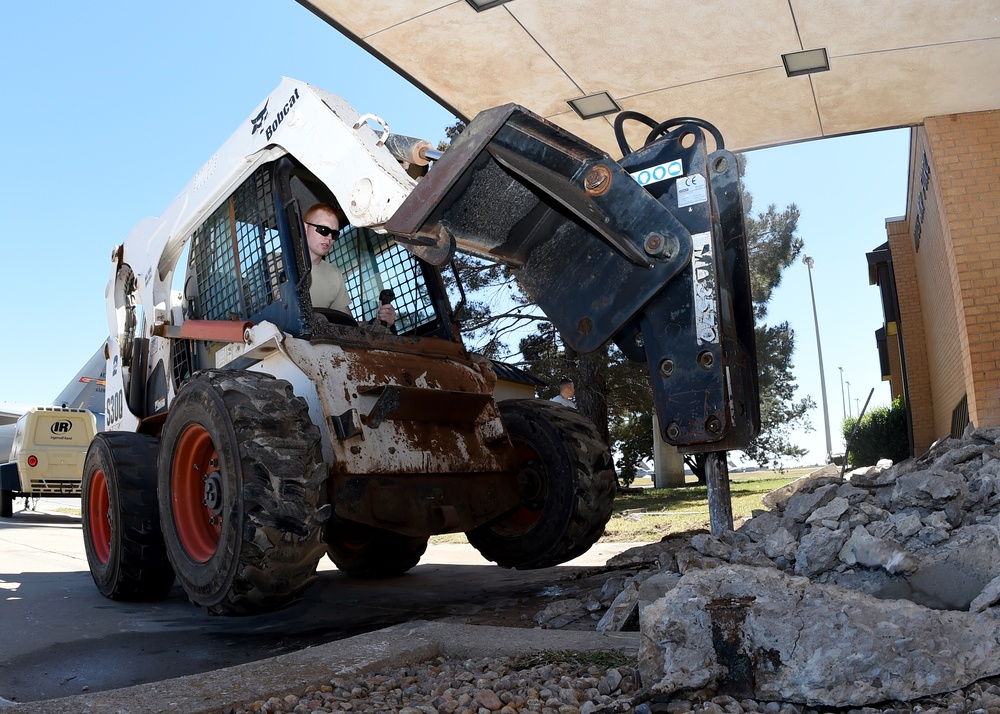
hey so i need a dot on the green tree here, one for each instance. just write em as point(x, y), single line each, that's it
point(780, 413)
point(609, 387)
point(773, 246)
point(881, 434)
point(633, 434)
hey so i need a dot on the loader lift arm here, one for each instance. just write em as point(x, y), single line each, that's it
point(649, 252)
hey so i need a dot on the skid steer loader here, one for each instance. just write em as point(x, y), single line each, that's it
point(249, 433)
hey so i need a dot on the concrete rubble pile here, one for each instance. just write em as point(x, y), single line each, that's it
point(880, 586)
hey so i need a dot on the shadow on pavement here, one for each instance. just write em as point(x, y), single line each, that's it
point(71, 639)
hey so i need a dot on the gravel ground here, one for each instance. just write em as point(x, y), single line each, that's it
point(442, 686)
point(565, 685)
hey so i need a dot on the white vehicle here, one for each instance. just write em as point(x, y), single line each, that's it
point(249, 433)
point(47, 455)
point(46, 451)
point(84, 391)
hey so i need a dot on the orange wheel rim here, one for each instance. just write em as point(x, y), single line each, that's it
point(196, 493)
point(526, 515)
point(99, 516)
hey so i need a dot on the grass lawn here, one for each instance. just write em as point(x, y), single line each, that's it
point(652, 513)
point(647, 514)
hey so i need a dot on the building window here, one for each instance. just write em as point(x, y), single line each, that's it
point(960, 418)
point(925, 182)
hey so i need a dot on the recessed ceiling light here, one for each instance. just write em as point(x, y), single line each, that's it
point(806, 62)
point(480, 5)
point(594, 105)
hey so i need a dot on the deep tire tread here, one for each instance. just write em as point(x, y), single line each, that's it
point(280, 541)
point(589, 469)
point(140, 569)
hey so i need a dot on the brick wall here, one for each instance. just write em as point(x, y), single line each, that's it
point(911, 327)
point(966, 160)
point(949, 285)
point(938, 284)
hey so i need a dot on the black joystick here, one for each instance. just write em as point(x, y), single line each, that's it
point(385, 298)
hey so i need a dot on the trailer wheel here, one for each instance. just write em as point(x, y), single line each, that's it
point(121, 522)
point(240, 483)
point(6, 503)
point(366, 552)
point(567, 488)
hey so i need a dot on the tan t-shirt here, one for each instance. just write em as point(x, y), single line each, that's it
point(327, 288)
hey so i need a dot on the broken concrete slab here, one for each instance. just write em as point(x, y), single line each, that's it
point(622, 615)
point(989, 596)
point(761, 633)
point(819, 550)
point(864, 549)
point(917, 537)
point(779, 496)
point(804, 502)
point(562, 612)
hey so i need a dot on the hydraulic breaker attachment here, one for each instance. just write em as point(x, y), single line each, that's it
point(649, 252)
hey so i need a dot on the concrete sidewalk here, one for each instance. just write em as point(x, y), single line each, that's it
point(61, 637)
point(388, 648)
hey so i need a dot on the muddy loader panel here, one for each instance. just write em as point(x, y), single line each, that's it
point(413, 445)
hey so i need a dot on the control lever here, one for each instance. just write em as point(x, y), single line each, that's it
point(385, 298)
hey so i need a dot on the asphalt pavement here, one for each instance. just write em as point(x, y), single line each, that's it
point(62, 638)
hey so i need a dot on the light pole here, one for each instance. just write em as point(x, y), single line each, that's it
point(849, 412)
point(843, 402)
point(819, 351)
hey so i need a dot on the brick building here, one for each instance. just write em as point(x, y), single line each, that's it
point(939, 276)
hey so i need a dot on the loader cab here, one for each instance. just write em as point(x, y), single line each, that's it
point(248, 261)
point(370, 263)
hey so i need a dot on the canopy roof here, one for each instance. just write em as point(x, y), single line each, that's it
point(891, 63)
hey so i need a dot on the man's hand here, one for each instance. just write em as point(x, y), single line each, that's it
point(387, 314)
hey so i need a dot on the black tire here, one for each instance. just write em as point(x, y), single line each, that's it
point(6, 503)
point(366, 552)
point(121, 521)
point(241, 481)
point(567, 485)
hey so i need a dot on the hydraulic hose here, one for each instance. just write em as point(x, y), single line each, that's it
point(657, 129)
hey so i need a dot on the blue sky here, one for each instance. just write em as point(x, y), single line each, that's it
point(113, 106)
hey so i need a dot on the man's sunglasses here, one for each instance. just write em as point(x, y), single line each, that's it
point(324, 230)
